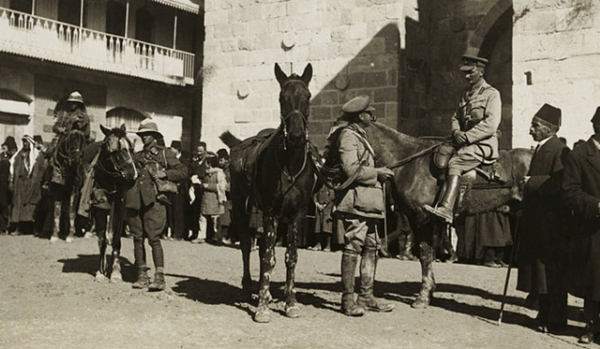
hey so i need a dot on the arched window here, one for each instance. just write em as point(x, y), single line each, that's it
point(115, 18)
point(121, 115)
point(144, 27)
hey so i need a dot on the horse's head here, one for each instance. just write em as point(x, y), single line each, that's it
point(294, 100)
point(118, 149)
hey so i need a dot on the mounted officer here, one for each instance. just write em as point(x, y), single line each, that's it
point(474, 127)
point(359, 206)
point(73, 117)
point(146, 212)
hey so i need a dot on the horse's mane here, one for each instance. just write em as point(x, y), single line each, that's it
point(391, 146)
point(117, 131)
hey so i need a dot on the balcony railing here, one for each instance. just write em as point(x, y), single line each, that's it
point(33, 36)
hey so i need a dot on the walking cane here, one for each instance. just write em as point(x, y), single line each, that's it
point(385, 232)
point(510, 264)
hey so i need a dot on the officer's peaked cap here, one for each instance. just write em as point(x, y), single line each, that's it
point(357, 105)
point(470, 61)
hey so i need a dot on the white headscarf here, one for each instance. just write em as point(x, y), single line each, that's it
point(33, 153)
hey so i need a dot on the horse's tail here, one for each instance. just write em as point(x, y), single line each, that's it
point(229, 139)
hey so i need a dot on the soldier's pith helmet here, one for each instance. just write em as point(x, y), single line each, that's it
point(75, 97)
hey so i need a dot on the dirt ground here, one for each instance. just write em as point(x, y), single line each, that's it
point(49, 299)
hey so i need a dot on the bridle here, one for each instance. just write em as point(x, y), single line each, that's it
point(64, 150)
point(117, 171)
point(286, 117)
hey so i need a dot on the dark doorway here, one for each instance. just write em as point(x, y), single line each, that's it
point(69, 11)
point(144, 28)
point(21, 5)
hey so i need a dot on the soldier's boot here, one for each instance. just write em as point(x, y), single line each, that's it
point(158, 284)
point(446, 207)
point(368, 267)
point(349, 306)
point(142, 279)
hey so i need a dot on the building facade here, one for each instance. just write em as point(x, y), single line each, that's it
point(404, 54)
point(131, 59)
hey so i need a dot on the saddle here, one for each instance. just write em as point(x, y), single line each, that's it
point(491, 173)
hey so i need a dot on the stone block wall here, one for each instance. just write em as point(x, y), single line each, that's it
point(556, 44)
point(354, 46)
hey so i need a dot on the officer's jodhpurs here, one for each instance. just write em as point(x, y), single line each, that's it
point(148, 222)
point(360, 232)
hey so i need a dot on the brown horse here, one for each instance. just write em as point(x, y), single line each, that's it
point(110, 171)
point(272, 172)
point(416, 184)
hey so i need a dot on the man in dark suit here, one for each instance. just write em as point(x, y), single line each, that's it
point(198, 169)
point(179, 201)
point(581, 191)
point(542, 232)
point(146, 212)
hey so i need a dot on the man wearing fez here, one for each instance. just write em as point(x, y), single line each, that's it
point(581, 192)
point(474, 127)
point(360, 206)
point(542, 232)
point(146, 212)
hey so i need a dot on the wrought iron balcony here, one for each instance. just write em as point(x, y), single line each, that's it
point(38, 37)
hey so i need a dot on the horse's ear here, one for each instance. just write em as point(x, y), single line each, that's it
point(307, 75)
point(123, 127)
point(280, 75)
point(104, 130)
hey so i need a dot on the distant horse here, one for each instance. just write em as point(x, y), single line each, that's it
point(273, 172)
point(65, 188)
point(416, 184)
point(110, 171)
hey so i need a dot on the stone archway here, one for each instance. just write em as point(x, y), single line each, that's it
point(493, 40)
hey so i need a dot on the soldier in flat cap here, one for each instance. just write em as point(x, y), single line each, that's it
point(542, 232)
point(474, 127)
point(359, 206)
point(581, 191)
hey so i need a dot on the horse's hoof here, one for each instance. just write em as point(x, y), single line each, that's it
point(420, 303)
point(54, 239)
point(262, 316)
point(88, 235)
point(100, 277)
point(292, 312)
point(116, 278)
point(69, 240)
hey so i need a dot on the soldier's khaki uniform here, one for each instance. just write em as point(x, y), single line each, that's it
point(479, 114)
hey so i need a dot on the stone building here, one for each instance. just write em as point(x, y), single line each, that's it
point(405, 55)
point(131, 60)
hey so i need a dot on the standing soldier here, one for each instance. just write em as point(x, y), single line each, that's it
point(474, 127)
point(581, 191)
point(146, 213)
point(360, 206)
point(542, 234)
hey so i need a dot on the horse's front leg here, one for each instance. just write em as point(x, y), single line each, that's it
point(72, 213)
point(267, 263)
point(245, 236)
point(57, 214)
point(102, 272)
point(115, 227)
point(427, 257)
point(291, 259)
point(115, 275)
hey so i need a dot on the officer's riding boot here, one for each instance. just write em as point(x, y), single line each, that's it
point(368, 267)
point(349, 306)
point(158, 284)
point(142, 279)
point(445, 209)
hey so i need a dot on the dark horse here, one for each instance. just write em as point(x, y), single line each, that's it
point(65, 188)
point(110, 171)
point(273, 172)
point(416, 184)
